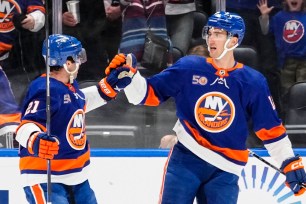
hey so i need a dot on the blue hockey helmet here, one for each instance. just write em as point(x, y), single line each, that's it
point(61, 47)
point(230, 22)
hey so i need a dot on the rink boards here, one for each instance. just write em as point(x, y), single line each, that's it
point(133, 176)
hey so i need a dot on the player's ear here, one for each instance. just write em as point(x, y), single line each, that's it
point(233, 41)
point(68, 62)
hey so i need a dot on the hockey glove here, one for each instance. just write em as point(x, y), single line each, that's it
point(42, 145)
point(295, 174)
point(119, 60)
point(118, 79)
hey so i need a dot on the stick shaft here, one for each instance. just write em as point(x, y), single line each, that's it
point(265, 161)
point(269, 164)
point(48, 114)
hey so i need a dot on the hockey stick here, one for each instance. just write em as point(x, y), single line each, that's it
point(271, 165)
point(48, 114)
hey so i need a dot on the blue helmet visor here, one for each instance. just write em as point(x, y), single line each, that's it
point(82, 57)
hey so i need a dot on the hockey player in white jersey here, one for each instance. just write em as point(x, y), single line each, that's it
point(215, 97)
point(67, 147)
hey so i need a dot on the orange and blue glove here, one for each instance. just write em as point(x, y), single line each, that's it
point(119, 74)
point(293, 168)
point(120, 60)
point(117, 80)
point(42, 145)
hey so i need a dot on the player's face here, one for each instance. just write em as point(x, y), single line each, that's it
point(216, 39)
point(72, 67)
point(294, 5)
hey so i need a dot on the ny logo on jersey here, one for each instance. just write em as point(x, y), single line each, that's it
point(293, 31)
point(75, 133)
point(214, 112)
point(6, 12)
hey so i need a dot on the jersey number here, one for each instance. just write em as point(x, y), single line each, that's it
point(32, 108)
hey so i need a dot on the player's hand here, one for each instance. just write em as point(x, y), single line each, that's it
point(118, 79)
point(42, 145)
point(119, 60)
point(295, 174)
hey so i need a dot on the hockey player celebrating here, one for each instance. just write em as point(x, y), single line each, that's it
point(67, 147)
point(215, 97)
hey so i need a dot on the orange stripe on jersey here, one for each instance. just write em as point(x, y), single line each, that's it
point(5, 47)
point(238, 155)
point(36, 163)
point(43, 128)
point(164, 176)
point(152, 99)
point(34, 8)
point(38, 194)
point(9, 118)
point(211, 61)
point(273, 133)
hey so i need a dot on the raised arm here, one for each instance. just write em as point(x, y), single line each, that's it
point(264, 18)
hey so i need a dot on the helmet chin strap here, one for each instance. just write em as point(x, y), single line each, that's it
point(72, 77)
point(225, 48)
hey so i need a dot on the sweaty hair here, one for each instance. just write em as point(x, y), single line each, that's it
point(55, 68)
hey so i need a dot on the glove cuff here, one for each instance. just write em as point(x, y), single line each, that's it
point(31, 142)
point(292, 164)
point(106, 91)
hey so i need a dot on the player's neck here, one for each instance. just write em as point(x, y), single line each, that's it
point(60, 75)
point(226, 62)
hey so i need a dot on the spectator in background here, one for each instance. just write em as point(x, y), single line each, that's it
point(138, 16)
point(27, 15)
point(179, 15)
point(95, 32)
point(168, 141)
point(248, 10)
point(200, 50)
point(204, 6)
point(263, 44)
point(288, 27)
point(113, 29)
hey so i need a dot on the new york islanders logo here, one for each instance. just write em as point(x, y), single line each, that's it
point(293, 31)
point(214, 112)
point(75, 133)
point(7, 10)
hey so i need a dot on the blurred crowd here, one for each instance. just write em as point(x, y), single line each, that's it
point(275, 30)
